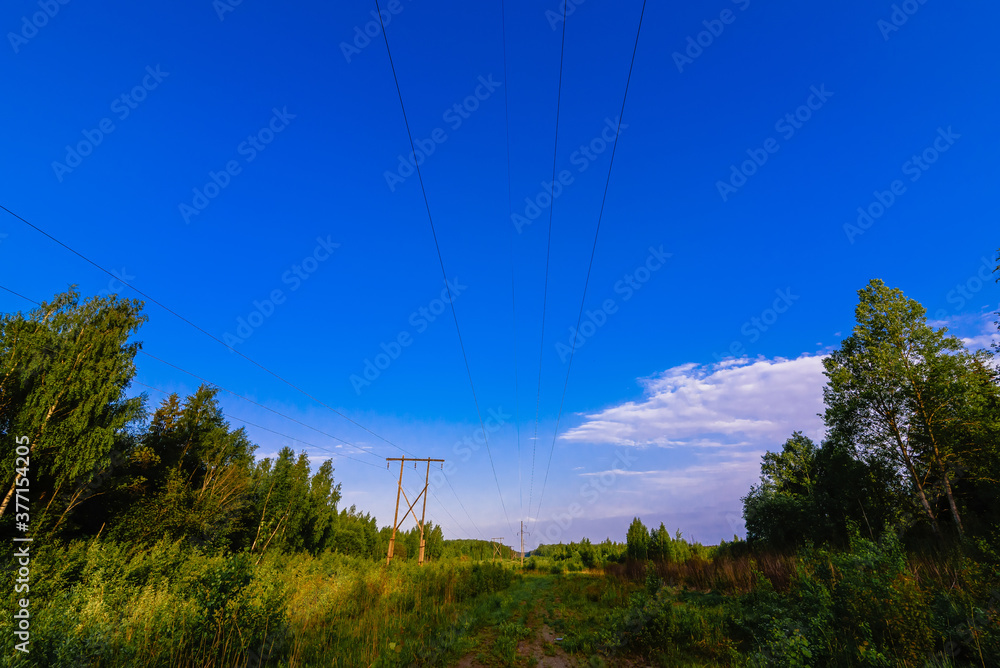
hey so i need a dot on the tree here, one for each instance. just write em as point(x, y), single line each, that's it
point(638, 540)
point(899, 390)
point(188, 477)
point(779, 510)
point(64, 370)
point(660, 544)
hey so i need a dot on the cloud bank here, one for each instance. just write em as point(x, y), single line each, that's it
point(733, 403)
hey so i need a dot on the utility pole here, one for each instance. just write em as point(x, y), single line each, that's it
point(496, 548)
point(522, 543)
point(399, 490)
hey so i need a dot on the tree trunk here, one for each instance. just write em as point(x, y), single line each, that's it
point(952, 505)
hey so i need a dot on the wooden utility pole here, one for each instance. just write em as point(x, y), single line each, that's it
point(399, 490)
point(496, 548)
point(522, 543)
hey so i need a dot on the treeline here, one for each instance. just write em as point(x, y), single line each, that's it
point(100, 465)
point(578, 556)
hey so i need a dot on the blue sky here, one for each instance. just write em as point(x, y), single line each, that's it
point(292, 135)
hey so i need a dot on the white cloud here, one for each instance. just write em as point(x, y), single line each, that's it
point(733, 403)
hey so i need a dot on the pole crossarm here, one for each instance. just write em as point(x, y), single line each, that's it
point(410, 511)
point(411, 459)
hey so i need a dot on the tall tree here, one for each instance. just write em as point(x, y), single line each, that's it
point(637, 539)
point(64, 370)
point(897, 388)
point(189, 477)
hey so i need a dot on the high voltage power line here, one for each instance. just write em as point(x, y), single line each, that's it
point(444, 274)
point(278, 413)
point(593, 251)
point(206, 333)
point(548, 250)
point(510, 234)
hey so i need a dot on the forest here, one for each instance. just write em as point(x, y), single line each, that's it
point(159, 538)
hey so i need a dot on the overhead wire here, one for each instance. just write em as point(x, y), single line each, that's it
point(593, 252)
point(268, 429)
point(203, 331)
point(548, 251)
point(510, 234)
point(444, 273)
point(280, 414)
point(228, 391)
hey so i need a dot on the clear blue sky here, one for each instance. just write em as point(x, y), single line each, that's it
point(207, 85)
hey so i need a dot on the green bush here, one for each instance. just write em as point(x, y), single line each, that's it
point(483, 579)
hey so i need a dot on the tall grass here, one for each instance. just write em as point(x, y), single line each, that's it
point(727, 574)
point(101, 604)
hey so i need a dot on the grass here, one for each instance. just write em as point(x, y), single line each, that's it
point(98, 604)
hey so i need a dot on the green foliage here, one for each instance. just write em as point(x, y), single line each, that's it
point(64, 370)
point(637, 539)
point(657, 625)
point(904, 393)
point(860, 607)
point(483, 578)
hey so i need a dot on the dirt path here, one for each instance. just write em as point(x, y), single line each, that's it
point(545, 648)
point(541, 649)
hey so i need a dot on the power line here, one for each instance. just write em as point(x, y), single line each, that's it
point(548, 251)
point(444, 273)
point(206, 333)
point(462, 505)
point(287, 417)
point(593, 251)
point(228, 391)
point(18, 294)
point(258, 404)
point(448, 512)
point(510, 234)
point(291, 438)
